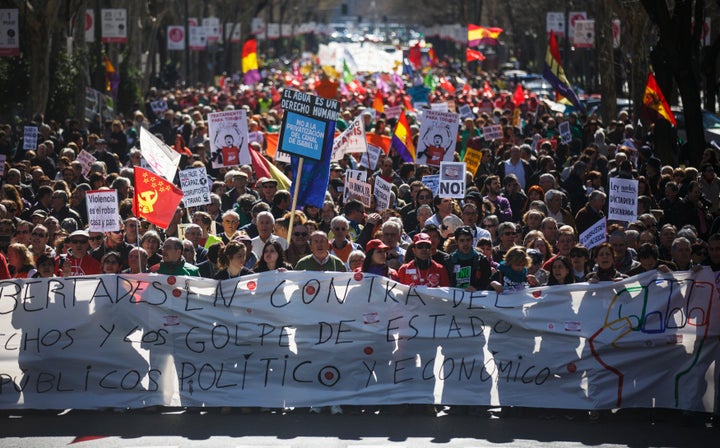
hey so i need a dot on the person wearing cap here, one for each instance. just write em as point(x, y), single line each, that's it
point(101, 154)
point(467, 268)
point(376, 260)
point(320, 258)
point(336, 171)
point(78, 260)
point(423, 270)
point(266, 187)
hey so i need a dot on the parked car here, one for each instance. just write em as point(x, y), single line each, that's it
point(711, 125)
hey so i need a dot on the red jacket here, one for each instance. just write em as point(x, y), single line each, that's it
point(434, 276)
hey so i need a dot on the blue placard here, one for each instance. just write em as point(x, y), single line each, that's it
point(303, 136)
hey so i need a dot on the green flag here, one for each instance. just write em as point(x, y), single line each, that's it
point(347, 76)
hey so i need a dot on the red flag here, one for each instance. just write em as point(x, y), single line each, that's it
point(408, 104)
point(378, 102)
point(155, 198)
point(654, 103)
point(415, 56)
point(473, 55)
point(446, 85)
point(487, 91)
point(433, 57)
point(519, 96)
point(180, 146)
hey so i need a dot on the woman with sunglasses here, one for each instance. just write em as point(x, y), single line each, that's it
point(20, 260)
point(299, 246)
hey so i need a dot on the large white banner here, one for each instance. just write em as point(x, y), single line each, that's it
point(306, 338)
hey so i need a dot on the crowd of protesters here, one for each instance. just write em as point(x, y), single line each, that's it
point(518, 224)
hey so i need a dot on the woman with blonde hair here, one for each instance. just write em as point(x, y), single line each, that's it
point(512, 272)
point(20, 261)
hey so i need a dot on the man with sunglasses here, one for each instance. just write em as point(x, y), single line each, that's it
point(78, 261)
point(114, 242)
point(423, 270)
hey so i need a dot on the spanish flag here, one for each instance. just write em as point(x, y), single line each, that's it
point(402, 139)
point(251, 74)
point(478, 35)
point(654, 103)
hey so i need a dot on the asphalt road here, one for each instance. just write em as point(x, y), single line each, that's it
point(532, 428)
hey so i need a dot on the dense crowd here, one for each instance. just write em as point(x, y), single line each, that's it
point(518, 224)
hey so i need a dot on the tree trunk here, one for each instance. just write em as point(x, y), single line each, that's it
point(606, 61)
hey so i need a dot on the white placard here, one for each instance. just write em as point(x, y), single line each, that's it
point(175, 37)
point(233, 32)
point(302, 338)
point(382, 192)
point(228, 133)
point(622, 199)
point(3, 159)
point(493, 132)
point(440, 107)
point(352, 140)
point(370, 158)
point(452, 180)
point(158, 106)
point(114, 25)
point(437, 139)
point(393, 111)
point(357, 189)
point(466, 112)
point(162, 159)
point(9, 33)
point(30, 138)
point(103, 210)
point(573, 18)
point(596, 234)
point(432, 181)
point(356, 175)
point(565, 133)
point(195, 186)
point(89, 25)
point(282, 156)
point(86, 159)
point(212, 28)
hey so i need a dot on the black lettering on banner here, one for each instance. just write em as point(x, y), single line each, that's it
point(272, 296)
point(370, 369)
point(398, 369)
point(315, 290)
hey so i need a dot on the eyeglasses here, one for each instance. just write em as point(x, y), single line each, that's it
point(340, 229)
point(300, 234)
point(116, 232)
point(78, 241)
point(38, 234)
point(96, 238)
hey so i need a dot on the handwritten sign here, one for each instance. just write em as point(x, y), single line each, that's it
point(357, 189)
point(565, 134)
point(472, 159)
point(493, 132)
point(195, 186)
point(103, 210)
point(596, 234)
point(86, 159)
point(432, 181)
point(30, 138)
point(383, 189)
point(315, 339)
point(622, 199)
point(370, 158)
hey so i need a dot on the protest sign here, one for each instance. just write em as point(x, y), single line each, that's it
point(493, 132)
point(30, 138)
point(305, 123)
point(438, 134)
point(472, 159)
point(439, 107)
point(565, 134)
point(466, 112)
point(103, 210)
point(300, 339)
point(393, 111)
point(195, 186)
point(351, 140)
point(3, 158)
point(162, 159)
point(357, 189)
point(596, 234)
point(432, 181)
point(228, 133)
point(452, 180)
point(86, 159)
point(383, 189)
point(158, 106)
point(622, 199)
point(357, 175)
point(371, 157)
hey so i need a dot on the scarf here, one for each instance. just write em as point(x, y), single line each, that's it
point(511, 274)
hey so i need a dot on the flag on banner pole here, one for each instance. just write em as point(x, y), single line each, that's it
point(478, 35)
point(555, 75)
point(402, 139)
point(654, 103)
point(346, 75)
point(251, 73)
point(112, 78)
point(473, 55)
point(263, 168)
point(519, 96)
point(155, 198)
point(315, 174)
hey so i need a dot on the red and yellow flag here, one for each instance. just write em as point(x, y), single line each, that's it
point(654, 103)
point(155, 198)
point(378, 102)
point(251, 72)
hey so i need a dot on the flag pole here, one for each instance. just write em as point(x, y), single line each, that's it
point(295, 197)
